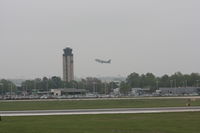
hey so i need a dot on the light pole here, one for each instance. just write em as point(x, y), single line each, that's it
point(94, 88)
point(1, 84)
point(157, 84)
point(105, 85)
point(171, 83)
point(47, 85)
point(183, 84)
point(112, 86)
point(11, 91)
point(186, 83)
point(175, 83)
point(197, 83)
point(35, 86)
point(26, 90)
point(86, 86)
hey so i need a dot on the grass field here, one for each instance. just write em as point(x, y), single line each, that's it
point(116, 123)
point(92, 104)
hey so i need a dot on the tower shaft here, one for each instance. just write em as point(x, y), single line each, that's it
point(68, 65)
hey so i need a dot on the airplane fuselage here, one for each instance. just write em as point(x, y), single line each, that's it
point(103, 61)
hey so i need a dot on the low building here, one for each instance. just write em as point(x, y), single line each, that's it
point(179, 91)
point(68, 91)
point(136, 91)
point(140, 91)
point(116, 91)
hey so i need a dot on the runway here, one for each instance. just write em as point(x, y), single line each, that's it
point(100, 111)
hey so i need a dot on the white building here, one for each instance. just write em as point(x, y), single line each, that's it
point(68, 91)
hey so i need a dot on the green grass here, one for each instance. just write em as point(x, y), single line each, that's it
point(94, 104)
point(112, 123)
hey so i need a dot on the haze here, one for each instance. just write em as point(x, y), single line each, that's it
point(138, 35)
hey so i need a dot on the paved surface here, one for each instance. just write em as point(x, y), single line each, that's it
point(99, 111)
point(78, 99)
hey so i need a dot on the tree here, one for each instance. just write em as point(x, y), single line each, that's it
point(93, 84)
point(133, 80)
point(150, 81)
point(164, 81)
point(124, 88)
point(56, 82)
point(7, 86)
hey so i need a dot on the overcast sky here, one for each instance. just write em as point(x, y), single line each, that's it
point(158, 36)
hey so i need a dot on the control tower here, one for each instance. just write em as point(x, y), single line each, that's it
point(68, 65)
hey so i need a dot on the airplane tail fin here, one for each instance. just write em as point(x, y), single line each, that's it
point(109, 61)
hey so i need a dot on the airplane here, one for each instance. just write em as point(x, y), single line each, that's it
point(103, 61)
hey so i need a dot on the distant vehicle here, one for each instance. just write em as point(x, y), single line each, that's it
point(103, 61)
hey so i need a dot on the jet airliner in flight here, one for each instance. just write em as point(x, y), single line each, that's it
point(103, 61)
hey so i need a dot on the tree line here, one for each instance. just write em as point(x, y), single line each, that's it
point(94, 85)
point(149, 80)
point(90, 84)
